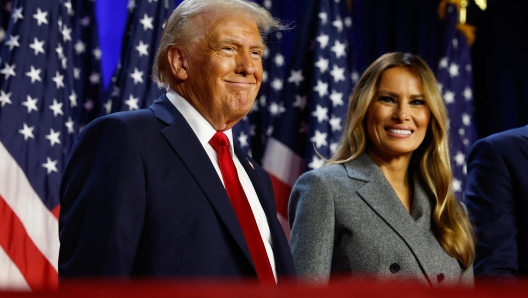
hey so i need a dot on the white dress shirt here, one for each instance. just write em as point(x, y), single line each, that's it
point(205, 131)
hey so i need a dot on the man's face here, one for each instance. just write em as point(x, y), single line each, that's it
point(224, 70)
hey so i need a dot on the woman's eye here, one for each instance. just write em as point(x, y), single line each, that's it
point(418, 102)
point(386, 99)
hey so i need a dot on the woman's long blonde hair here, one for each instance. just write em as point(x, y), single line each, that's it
point(430, 161)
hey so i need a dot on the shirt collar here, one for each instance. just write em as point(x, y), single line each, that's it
point(201, 127)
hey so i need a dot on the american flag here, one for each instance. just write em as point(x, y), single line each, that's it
point(456, 84)
point(314, 98)
point(87, 62)
point(252, 132)
point(132, 87)
point(39, 118)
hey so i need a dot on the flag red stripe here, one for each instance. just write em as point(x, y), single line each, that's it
point(282, 192)
point(33, 265)
point(282, 195)
point(40, 224)
point(55, 211)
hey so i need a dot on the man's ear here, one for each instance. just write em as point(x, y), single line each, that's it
point(178, 63)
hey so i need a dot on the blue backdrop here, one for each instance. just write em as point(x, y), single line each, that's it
point(499, 54)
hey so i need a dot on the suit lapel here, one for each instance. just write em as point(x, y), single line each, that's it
point(382, 199)
point(280, 246)
point(182, 139)
point(249, 167)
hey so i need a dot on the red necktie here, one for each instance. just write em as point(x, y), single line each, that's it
point(240, 203)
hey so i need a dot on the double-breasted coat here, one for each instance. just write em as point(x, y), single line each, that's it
point(347, 218)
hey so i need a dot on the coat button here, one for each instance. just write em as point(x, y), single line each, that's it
point(440, 277)
point(394, 267)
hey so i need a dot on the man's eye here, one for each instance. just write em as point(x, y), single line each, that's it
point(256, 55)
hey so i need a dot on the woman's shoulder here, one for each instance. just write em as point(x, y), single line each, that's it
point(326, 171)
point(320, 184)
point(361, 169)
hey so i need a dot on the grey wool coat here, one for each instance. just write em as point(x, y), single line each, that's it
point(347, 219)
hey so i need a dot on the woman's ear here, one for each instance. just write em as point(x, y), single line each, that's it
point(177, 63)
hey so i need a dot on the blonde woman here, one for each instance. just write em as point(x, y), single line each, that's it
point(384, 207)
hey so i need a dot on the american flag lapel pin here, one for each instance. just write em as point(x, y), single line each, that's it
point(250, 164)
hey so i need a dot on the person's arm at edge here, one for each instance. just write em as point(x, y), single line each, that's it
point(490, 201)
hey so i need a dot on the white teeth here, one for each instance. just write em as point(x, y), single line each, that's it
point(400, 131)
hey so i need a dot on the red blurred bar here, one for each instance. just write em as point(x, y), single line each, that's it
point(338, 288)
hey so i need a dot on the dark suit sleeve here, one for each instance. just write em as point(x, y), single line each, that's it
point(102, 202)
point(491, 203)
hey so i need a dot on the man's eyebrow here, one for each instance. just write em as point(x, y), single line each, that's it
point(258, 45)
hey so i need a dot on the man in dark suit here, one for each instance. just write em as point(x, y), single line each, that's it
point(497, 199)
point(164, 192)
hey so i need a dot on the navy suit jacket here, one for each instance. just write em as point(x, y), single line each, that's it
point(497, 199)
point(140, 197)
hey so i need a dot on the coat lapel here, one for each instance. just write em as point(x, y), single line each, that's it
point(382, 199)
point(186, 145)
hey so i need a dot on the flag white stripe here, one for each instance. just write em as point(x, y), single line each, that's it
point(281, 162)
point(10, 277)
point(40, 224)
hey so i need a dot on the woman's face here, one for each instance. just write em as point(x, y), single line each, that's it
point(398, 116)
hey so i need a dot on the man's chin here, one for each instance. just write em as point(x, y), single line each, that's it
point(240, 114)
point(242, 105)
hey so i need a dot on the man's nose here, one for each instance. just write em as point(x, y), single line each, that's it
point(245, 63)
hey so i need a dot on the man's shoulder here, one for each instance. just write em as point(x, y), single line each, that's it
point(514, 135)
point(503, 141)
point(136, 117)
point(504, 145)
